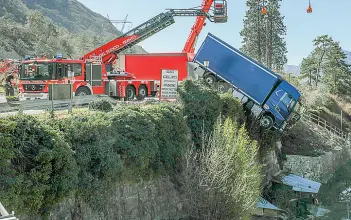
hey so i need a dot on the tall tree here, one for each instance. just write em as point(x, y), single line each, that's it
point(262, 33)
point(327, 63)
point(337, 72)
point(253, 32)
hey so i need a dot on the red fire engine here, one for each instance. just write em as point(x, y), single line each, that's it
point(148, 66)
point(94, 72)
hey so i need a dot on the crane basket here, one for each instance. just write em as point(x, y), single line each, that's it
point(220, 11)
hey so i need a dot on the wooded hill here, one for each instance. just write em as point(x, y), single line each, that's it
point(52, 26)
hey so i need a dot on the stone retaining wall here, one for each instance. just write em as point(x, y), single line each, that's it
point(318, 168)
point(154, 200)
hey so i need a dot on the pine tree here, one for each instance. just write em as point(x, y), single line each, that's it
point(337, 72)
point(253, 31)
point(275, 30)
point(262, 34)
point(327, 63)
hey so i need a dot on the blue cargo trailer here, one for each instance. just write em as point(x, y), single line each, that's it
point(268, 96)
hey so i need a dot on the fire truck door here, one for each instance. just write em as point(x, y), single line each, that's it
point(94, 74)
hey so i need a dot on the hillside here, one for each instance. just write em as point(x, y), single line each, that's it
point(73, 16)
point(51, 27)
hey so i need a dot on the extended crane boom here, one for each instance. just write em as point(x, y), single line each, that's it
point(108, 52)
point(189, 46)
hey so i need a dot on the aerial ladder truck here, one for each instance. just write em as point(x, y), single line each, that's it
point(148, 67)
point(92, 73)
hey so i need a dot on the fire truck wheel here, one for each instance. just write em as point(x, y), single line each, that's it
point(130, 93)
point(142, 92)
point(82, 91)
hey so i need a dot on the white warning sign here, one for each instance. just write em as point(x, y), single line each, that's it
point(169, 84)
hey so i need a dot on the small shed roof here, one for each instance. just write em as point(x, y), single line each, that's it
point(264, 204)
point(301, 184)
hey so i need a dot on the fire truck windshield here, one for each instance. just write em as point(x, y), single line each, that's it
point(36, 71)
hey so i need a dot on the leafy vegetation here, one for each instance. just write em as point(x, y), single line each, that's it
point(101, 105)
point(327, 65)
point(262, 34)
point(222, 181)
point(330, 193)
point(86, 154)
point(37, 169)
point(202, 106)
point(51, 27)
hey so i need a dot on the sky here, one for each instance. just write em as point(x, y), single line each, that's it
point(332, 17)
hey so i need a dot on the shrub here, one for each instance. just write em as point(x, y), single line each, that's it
point(223, 180)
point(202, 106)
point(101, 105)
point(128, 144)
point(172, 132)
point(232, 108)
point(37, 166)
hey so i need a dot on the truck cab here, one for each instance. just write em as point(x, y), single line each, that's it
point(282, 107)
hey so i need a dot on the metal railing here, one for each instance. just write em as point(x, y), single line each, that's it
point(321, 122)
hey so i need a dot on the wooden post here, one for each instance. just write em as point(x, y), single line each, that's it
point(341, 120)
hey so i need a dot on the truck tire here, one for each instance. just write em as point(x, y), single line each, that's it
point(210, 79)
point(222, 87)
point(142, 92)
point(130, 92)
point(266, 122)
point(82, 91)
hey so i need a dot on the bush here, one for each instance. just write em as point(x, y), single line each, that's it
point(129, 144)
point(232, 108)
point(37, 165)
point(172, 133)
point(223, 180)
point(101, 105)
point(203, 105)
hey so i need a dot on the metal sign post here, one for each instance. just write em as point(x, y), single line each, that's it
point(169, 84)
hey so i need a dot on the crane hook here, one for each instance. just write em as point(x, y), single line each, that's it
point(309, 9)
point(263, 8)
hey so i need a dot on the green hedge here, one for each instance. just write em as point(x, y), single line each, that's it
point(43, 162)
point(86, 154)
point(37, 166)
point(101, 105)
point(203, 105)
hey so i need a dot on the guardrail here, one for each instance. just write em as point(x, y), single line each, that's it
point(321, 122)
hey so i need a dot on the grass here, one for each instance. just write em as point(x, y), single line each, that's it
point(307, 139)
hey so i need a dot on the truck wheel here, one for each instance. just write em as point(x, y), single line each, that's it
point(142, 92)
point(210, 79)
point(266, 122)
point(130, 93)
point(82, 91)
point(222, 87)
